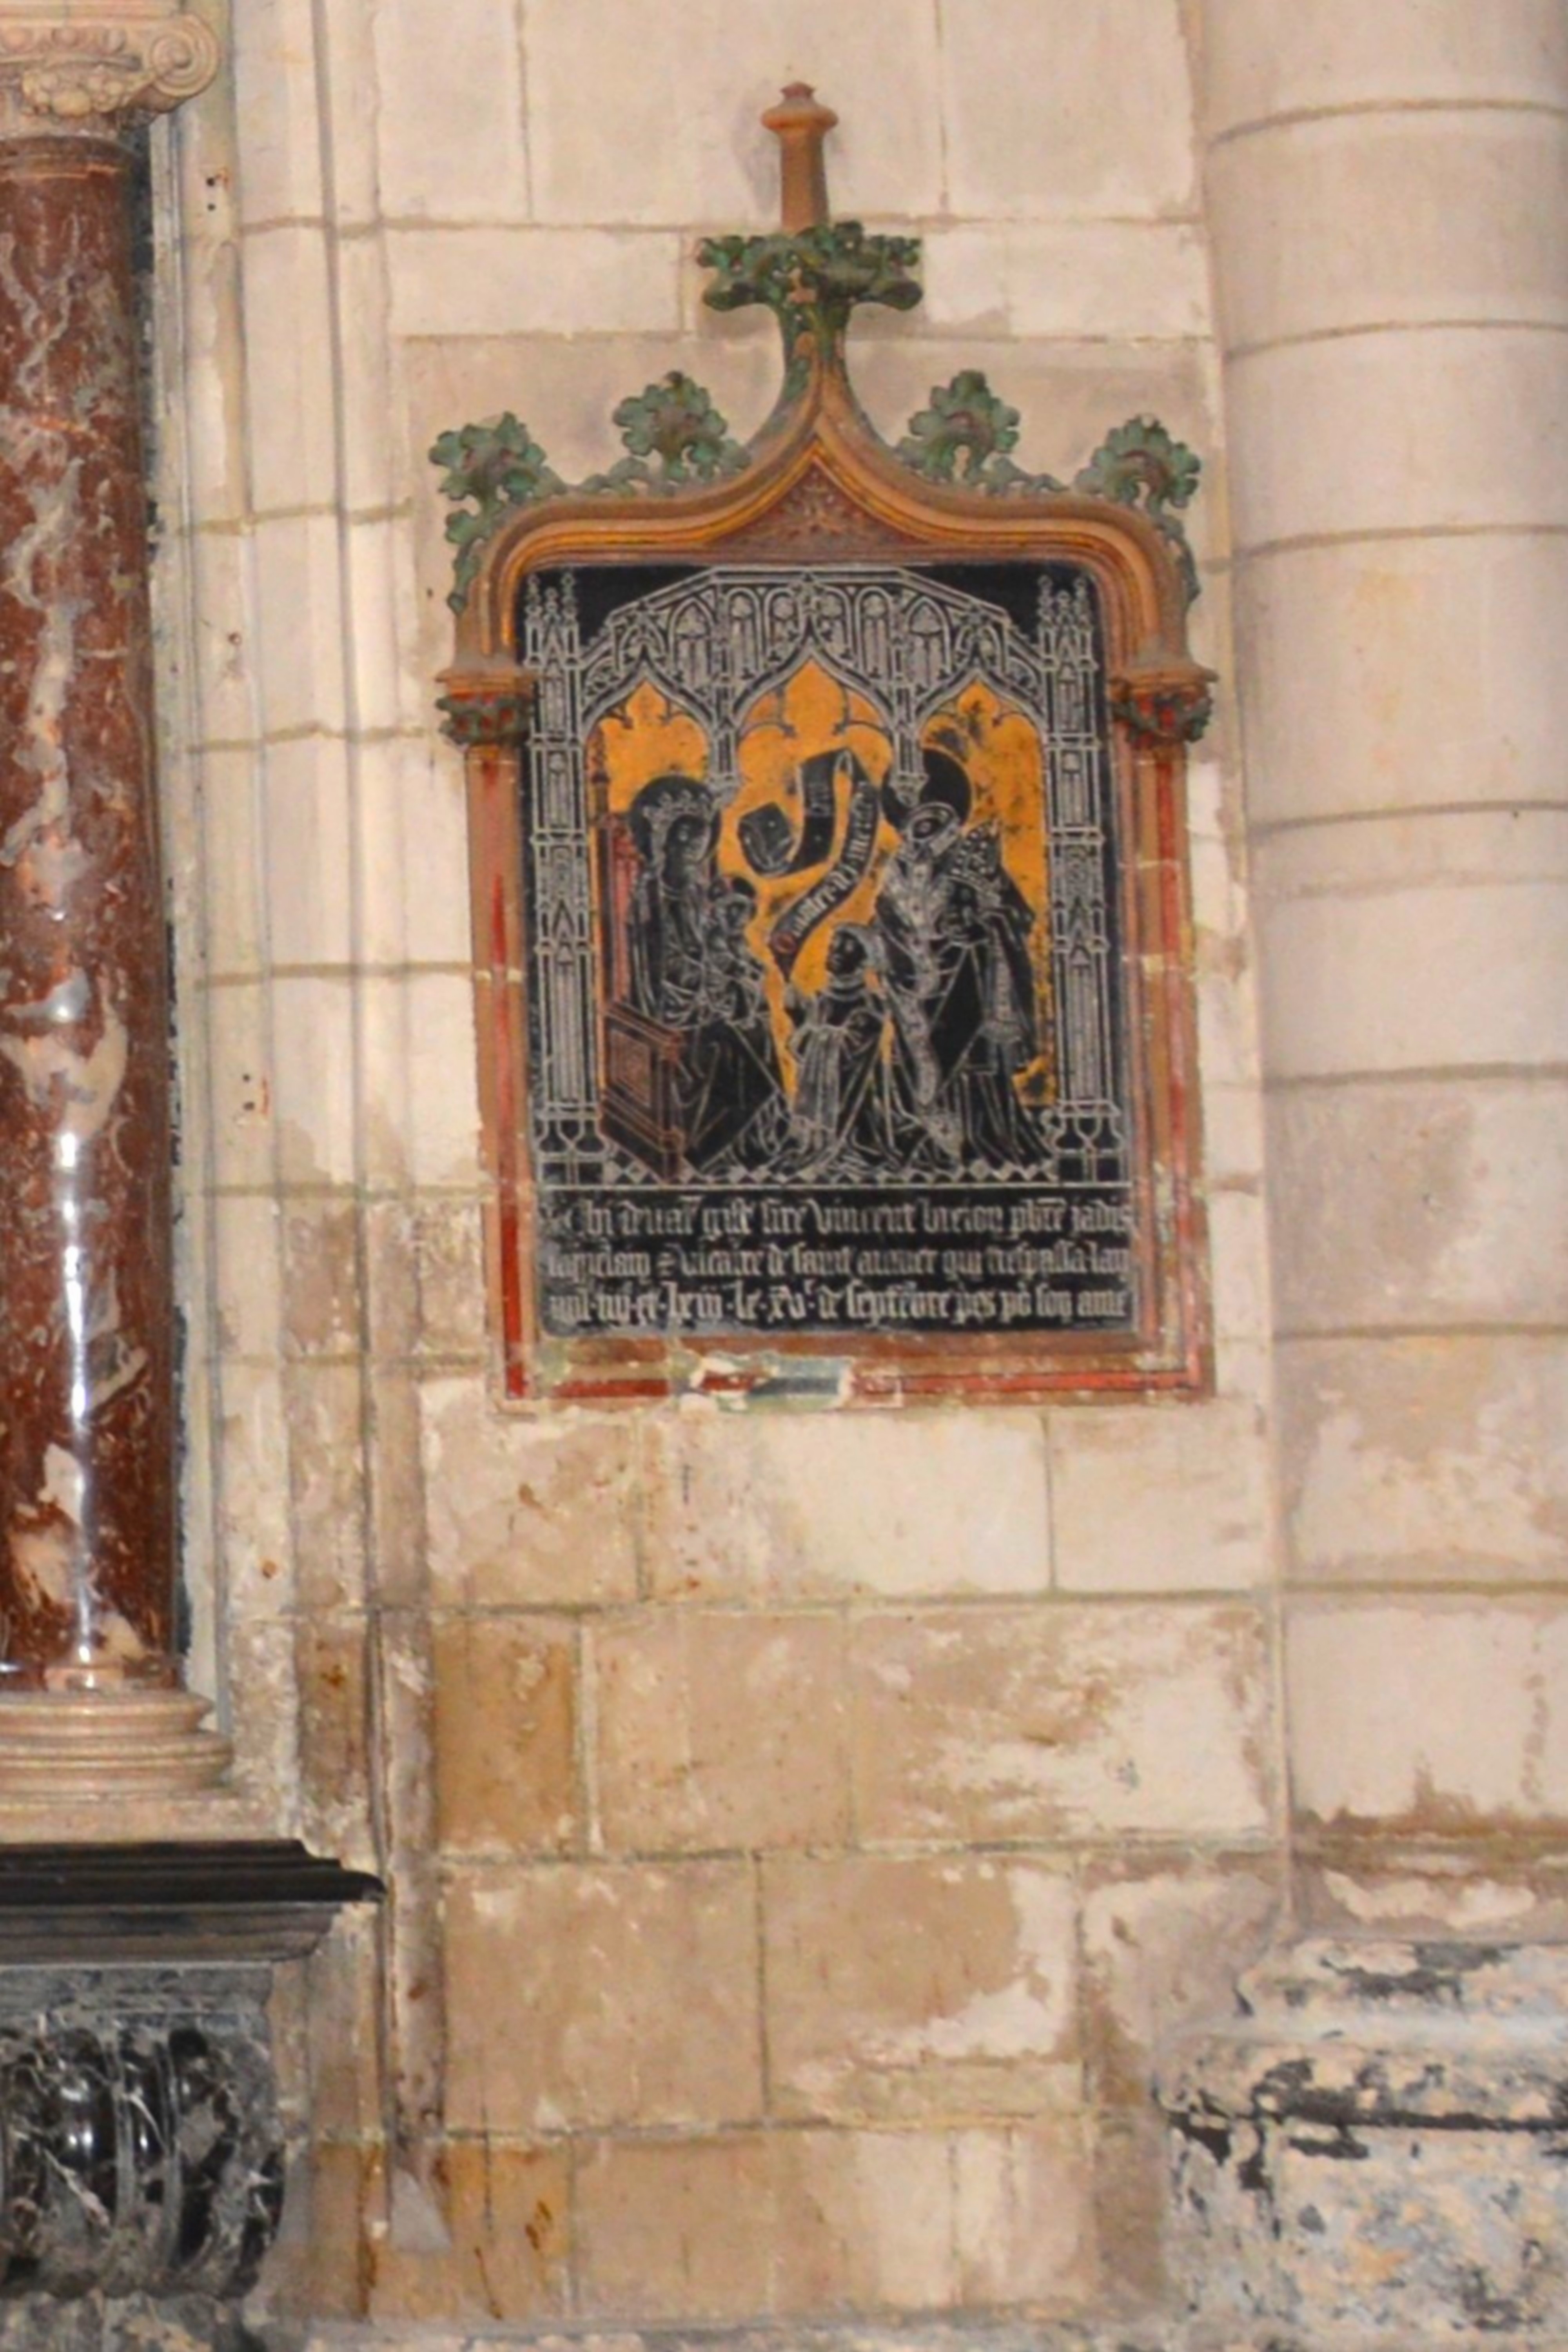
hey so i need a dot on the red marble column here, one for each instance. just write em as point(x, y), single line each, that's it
point(87, 1479)
point(90, 1687)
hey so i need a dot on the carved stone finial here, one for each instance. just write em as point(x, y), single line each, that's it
point(814, 273)
point(800, 123)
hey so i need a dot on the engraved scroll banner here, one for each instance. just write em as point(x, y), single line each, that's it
point(825, 898)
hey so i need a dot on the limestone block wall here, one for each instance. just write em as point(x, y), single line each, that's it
point(798, 1826)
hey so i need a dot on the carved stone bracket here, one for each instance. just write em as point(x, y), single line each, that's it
point(1164, 701)
point(67, 66)
point(486, 707)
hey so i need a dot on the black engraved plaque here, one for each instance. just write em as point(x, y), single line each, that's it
point(827, 1018)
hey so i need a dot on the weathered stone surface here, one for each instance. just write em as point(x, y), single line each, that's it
point(654, 2020)
point(1441, 1166)
point(809, 2220)
point(1383, 677)
point(602, 150)
point(1435, 1459)
point(1458, 1706)
point(680, 2227)
point(1075, 1719)
point(523, 1514)
point(507, 2245)
point(1161, 1942)
point(968, 2334)
point(1111, 1475)
point(1373, 2146)
point(1044, 106)
point(968, 2006)
point(915, 1504)
point(721, 1730)
point(1264, 59)
point(505, 1720)
point(1428, 611)
point(852, 2335)
point(1336, 271)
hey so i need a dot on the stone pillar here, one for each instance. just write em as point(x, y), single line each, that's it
point(1387, 191)
point(89, 1683)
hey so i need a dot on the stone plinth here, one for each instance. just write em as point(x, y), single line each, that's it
point(1375, 2148)
point(140, 2149)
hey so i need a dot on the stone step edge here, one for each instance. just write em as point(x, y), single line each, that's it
point(1021, 2334)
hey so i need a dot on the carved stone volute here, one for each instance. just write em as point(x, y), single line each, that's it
point(67, 66)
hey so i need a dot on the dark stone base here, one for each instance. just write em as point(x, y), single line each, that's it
point(140, 2146)
point(140, 2149)
point(1373, 2151)
point(174, 1903)
point(183, 2324)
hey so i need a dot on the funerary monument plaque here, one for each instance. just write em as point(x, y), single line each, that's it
point(829, 880)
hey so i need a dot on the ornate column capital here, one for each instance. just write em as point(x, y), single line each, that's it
point(68, 63)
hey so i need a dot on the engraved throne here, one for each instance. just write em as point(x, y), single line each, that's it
point(640, 1063)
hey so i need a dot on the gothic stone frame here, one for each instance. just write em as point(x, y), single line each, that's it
point(688, 550)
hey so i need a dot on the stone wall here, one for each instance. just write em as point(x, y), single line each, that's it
point(800, 1827)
